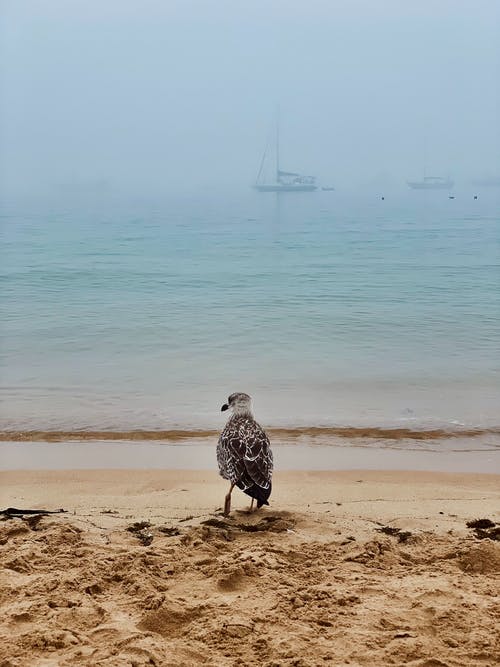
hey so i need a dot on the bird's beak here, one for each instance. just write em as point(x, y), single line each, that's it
point(224, 407)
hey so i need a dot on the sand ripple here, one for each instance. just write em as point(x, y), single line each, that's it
point(278, 589)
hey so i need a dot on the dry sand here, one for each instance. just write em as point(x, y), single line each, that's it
point(309, 581)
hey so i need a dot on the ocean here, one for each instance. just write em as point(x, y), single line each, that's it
point(334, 310)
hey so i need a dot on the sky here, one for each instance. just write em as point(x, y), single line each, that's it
point(181, 95)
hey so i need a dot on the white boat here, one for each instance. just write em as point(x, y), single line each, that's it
point(432, 183)
point(284, 181)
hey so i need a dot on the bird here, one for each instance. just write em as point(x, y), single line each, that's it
point(244, 453)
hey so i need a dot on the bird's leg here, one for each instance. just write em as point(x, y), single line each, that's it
point(251, 505)
point(227, 502)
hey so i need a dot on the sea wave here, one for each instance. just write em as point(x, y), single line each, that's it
point(176, 435)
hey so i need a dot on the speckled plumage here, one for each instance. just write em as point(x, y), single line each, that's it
point(245, 458)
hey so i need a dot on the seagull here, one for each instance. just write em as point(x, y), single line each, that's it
point(244, 454)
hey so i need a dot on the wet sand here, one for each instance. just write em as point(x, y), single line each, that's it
point(200, 454)
point(344, 568)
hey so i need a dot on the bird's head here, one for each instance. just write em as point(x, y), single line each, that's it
point(239, 403)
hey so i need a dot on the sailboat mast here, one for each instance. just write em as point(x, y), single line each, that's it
point(257, 180)
point(277, 146)
point(425, 156)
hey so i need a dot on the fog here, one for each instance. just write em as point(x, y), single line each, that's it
point(180, 96)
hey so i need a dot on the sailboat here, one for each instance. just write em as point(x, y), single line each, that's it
point(285, 181)
point(431, 183)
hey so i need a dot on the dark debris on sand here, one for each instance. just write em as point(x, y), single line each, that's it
point(402, 535)
point(14, 512)
point(485, 529)
point(140, 530)
point(171, 531)
point(273, 524)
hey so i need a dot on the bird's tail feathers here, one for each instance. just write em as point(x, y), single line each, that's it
point(261, 495)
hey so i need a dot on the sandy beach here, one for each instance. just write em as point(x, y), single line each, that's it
point(344, 568)
point(250, 245)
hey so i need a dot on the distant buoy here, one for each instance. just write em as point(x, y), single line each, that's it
point(382, 198)
point(451, 197)
point(475, 196)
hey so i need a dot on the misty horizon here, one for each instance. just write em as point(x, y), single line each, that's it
point(163, 98)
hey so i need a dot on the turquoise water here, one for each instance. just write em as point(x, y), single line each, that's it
point(329, 309)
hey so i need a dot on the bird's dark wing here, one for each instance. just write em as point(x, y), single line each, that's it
point(258, 457)
point(244, 454)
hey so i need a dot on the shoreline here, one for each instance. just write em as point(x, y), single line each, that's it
point(278, 432)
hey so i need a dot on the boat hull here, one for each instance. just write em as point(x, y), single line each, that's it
point(418, 185)
point(286, 188)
